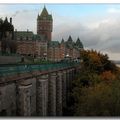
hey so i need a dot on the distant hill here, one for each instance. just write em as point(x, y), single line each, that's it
point(116, 61)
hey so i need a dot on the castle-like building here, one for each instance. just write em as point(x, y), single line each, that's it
point(40, 45)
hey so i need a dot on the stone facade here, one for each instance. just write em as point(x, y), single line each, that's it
point(44, 24)
point(24, 100)
point(52, 94)
point(41, 46)
point(26, 48)
point(41, 50)
point(43, 95)
point(59, 94)
point(26, 97)
point(64, 90)
point(8, 100)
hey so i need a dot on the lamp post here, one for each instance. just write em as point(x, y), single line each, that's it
point(44, 55)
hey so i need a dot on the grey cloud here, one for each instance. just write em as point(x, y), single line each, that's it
point(17, 12)
point(104, 37)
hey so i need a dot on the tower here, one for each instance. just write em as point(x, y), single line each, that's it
point(45, 24)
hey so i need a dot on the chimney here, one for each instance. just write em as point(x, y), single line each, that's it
point(11, 21)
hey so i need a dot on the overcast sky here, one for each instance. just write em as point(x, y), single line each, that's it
point(97, 25)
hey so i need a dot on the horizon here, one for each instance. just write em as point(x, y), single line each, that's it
point(100, 31)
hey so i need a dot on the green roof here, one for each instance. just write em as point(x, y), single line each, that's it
point(44, 13)
point(23, 34)
point(79, 43)
point(62, 41)
point(38, 37)
point(70, 39)
point(70, 43)
point(53, 44)
point(29, 34)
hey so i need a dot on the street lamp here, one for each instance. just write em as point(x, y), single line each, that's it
point(44, 55)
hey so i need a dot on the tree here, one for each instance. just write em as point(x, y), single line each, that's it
point(96, 61)
point(6, 35)
point(108, 76)
point(96, 89)
point(100, 100)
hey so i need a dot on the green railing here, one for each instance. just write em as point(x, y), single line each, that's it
point(8, 54)
point(12, 70)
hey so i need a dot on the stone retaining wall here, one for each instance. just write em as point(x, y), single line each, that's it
point(45, 95)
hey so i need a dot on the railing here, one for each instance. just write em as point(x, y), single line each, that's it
point(12, 70)
point(8, 54)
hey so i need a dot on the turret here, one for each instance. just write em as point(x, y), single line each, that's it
point(70, 39)
point(79, 43)
point(62, 42)
point(45, 24)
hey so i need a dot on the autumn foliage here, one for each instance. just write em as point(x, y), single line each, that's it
point(96, 90)
point(108, 76)
point(96, 61)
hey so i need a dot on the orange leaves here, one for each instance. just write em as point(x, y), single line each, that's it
point(91, 56)
point(96, 61)
point(108, 76)
point(94, 58)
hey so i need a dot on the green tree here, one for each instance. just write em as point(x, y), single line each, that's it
point(96, 61)
point(91, 93)
point(100, 100)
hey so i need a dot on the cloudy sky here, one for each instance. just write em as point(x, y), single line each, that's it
point(97, 25)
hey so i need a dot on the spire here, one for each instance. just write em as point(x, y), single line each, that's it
point(44, 12)
point(78, 40)
point(6, 20)
point(44, 6)
point(70, 39)
point(79, 43)
point(62, 41)
point(45, 15)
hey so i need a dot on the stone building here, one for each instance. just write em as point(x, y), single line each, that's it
point(45, 24)
point(31, 44)
point(41, 46)
point(25, 43)
point(28, 94)
point(54, 51)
